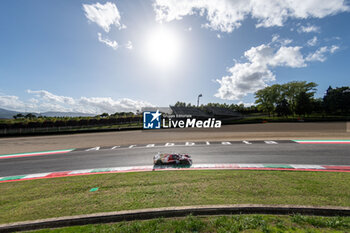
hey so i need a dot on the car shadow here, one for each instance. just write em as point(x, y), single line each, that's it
point(172, 166)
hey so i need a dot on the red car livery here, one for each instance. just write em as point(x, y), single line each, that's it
point(162, 159)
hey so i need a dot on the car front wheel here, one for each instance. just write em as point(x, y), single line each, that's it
point(159, 162)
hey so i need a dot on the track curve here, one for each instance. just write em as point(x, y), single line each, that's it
point(280, 152)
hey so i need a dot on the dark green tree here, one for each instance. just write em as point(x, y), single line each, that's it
point(271, 96)
point(337, 100)
point(180, 104)
point(293, 89)
point(104, 114)
point(30, 116)
point(317, 105)
point(283, 108)
point(266, 99)
point(303, 104)
point(19, 115)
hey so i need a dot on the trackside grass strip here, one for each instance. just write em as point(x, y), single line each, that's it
point(66, 196)
point(221, 224)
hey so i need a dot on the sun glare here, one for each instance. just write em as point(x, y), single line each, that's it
point(162, 46)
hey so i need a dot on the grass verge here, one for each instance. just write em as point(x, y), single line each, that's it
point(46, 198)
point(221, 224)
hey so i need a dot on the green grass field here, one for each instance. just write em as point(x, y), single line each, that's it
point(221, 224)
point(46, 198)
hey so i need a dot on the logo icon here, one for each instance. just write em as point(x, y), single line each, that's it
point(151, 120)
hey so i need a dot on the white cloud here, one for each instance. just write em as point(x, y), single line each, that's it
point(313, 41)
point(309, 28)
point(52, 107)
point(107, 104)
point(218, 36)
point(276, 39)
point(320, 54)
point(113, 44)
point(46, 101)
point(244, 78)
point(265, 55)
point(227, 15)
point(288, 56)
point(333, 48)
point(103, 15)
point(47, 96)
point(129, 45)
point(254, 75)
point(11, 102)
point(286, 41)
point(34, 101)
point(96, 105)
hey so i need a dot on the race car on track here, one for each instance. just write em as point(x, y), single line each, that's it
point(164, 159)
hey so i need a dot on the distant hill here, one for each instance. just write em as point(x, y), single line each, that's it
point(8, 114)
point(66, 114)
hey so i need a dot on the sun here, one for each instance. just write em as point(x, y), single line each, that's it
point(162, 47)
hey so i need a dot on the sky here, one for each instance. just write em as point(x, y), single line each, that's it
point(108, 56)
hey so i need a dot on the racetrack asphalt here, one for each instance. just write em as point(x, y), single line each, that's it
point(280, 152)
point(266, 131)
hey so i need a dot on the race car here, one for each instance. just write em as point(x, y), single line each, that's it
point(164, 159)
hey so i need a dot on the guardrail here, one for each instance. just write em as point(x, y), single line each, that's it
point(62, 129)
point(171, 212)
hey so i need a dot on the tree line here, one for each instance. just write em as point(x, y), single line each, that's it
point(297, 98)
point(33, 121)
point(103, 115)
point(234, 107)
point(292, 98)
